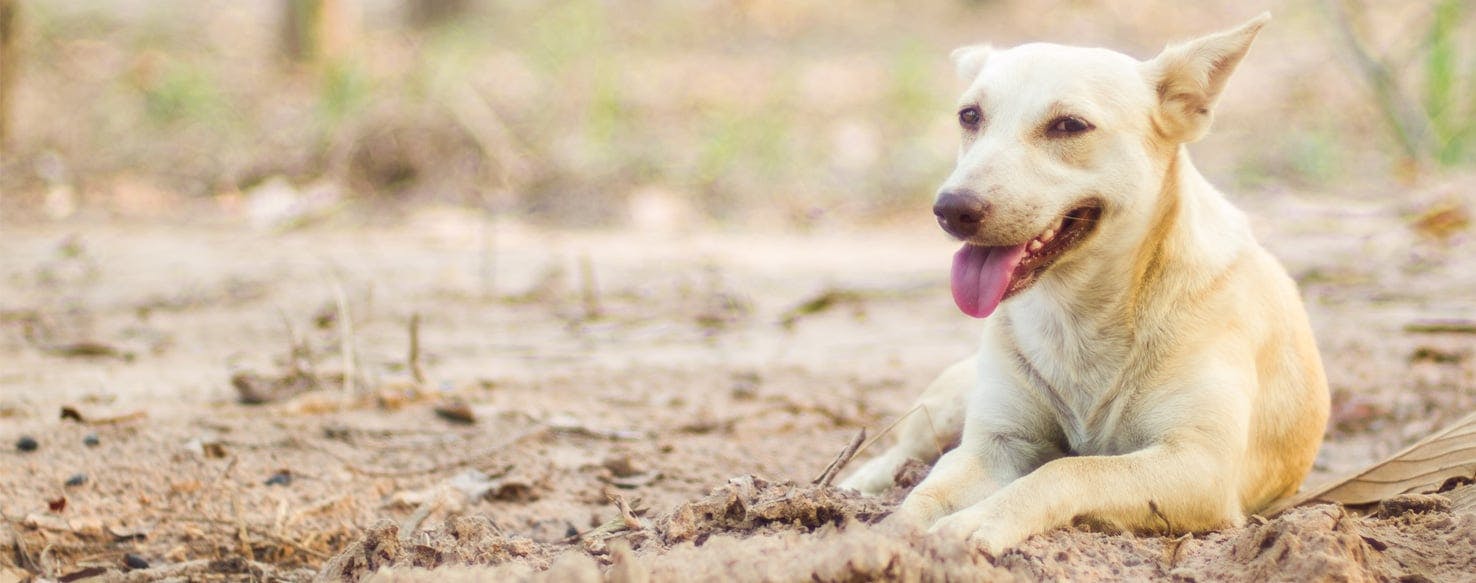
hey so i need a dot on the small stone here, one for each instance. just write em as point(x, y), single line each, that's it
point(1412, 504)
point(135, 562)
point(281, 478)
point(456, 411)
point(27, 444)
point(92, 440)
point(76, 480)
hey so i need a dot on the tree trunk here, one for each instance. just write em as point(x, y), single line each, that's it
point(315, 31)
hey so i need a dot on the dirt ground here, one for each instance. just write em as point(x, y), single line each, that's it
point(631, 405)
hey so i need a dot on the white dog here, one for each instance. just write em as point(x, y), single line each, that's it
point(1146, 364)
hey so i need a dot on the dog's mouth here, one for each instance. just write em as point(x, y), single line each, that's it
point(985, 276)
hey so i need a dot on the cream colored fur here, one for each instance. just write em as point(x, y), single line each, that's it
point(1162, 375)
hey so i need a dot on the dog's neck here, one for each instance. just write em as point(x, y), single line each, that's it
point(1188, 222)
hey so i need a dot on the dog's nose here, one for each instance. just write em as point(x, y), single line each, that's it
point(960, 212)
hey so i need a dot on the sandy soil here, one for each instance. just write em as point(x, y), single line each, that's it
point(702, 378)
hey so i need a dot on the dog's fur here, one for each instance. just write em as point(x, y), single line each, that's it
point(1161, 375)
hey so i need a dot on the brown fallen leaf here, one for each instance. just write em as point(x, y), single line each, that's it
point(1422, 467)
point(1442, 220)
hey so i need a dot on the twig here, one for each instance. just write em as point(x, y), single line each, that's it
point(23, 556)
point(1167, 526)
point(835, 467)
point(889, 427)
point(627, 516)
point(413, 361)
point(242, 532)
point(412, 522)
point(938, 443)
point(346, 338)
point(243, 527)
point(1173, 550)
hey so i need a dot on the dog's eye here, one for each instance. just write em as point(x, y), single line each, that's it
point(969, 117)
point(1069, 125)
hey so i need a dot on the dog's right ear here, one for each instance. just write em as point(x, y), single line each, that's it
point(1190, 76)
point(969, 60)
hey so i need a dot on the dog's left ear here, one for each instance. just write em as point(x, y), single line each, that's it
point(969, 60)
point(1190, 76)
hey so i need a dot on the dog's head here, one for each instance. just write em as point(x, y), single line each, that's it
point(1063, 145)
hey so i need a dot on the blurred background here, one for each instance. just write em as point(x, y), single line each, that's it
point(788, 113)
point(690, 238)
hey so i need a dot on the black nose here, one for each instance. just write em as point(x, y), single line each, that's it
point(960, 212)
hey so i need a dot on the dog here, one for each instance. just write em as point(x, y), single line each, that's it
point(1146, 365)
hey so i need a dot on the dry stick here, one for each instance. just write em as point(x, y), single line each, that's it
point(22, 554)
point(889, 427)
point(268, 534)
point(627, 516)
point(840, 461)
point(346, 338)
point(938, 443)
point(241, 531)
point(413, 361)
point(412, 523)
point(1168, 527)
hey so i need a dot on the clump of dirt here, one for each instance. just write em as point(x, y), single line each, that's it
point(461, 540)
point(752, 529)
point(747, 504)
point(1412, 504)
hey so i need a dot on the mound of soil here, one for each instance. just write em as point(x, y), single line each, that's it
point(755, 530)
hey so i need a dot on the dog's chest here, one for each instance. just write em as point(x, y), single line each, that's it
point(1074, 363)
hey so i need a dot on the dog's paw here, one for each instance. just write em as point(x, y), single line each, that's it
point(872, 478)
point(989, 534)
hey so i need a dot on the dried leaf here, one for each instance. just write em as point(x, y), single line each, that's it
point(1422, 467)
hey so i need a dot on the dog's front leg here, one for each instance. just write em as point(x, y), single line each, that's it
point(1171, 486)
point(931, 427)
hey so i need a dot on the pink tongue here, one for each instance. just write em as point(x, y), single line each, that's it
point(981, 275)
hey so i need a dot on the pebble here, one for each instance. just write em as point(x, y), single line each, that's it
point(135, 562)
point(282, 478)
point(27, 443)
point(91, 440)
point(76, 480)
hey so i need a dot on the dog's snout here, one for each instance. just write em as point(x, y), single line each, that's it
point(960, 212)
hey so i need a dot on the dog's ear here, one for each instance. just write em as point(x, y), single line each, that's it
point(969, 60)
point(1189, 77)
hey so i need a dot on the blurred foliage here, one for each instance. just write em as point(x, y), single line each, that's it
point(1453, 121)
point(1424, 91)
point(570, 110)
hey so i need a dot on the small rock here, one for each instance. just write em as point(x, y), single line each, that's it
point(76, 480)
point(27, 444)
point(456, 411)
point(91, 440)
point(1412, 504)
point(622, 466)
point(135, 562)
point(281, 478)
